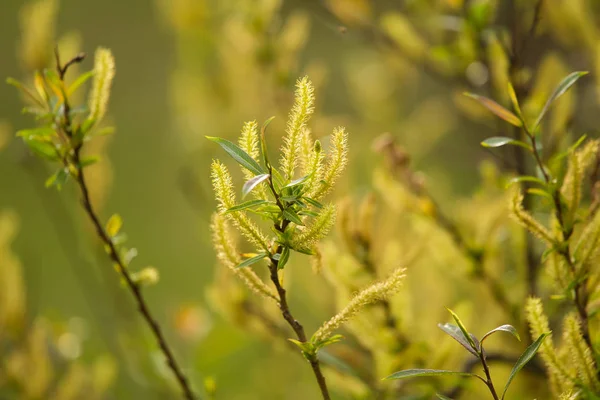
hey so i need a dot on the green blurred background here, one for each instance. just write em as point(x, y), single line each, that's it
point(185, 70)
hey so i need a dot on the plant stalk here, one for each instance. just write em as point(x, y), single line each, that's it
point(113, 253)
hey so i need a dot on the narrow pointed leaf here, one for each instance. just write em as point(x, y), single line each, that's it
point(297, 181)
point(291, 216)
point(526, 178)
point(442, 397)
point(252, 183)
point(411, 373)
point(562, 87)
point(503, 328)
point(238, 155)
point(283, 258)
point(79, 81)
point(252, 260)
point(42, 132)
point(42, 149)
point(456, 334)
point(524, 359)
point(247, 204)
point(499, 141)
point(513, 99)
point(464, 331)
point(312, 202)
point(263, 143)
point(497, 109)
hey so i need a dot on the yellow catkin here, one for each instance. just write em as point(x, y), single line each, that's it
point(250, 144)
point(223, 187)
point(560, 378)
point(336, 164)
point(373, 293)
point(579, 352)
point(318, 229)
point(518, 213)
point(298, 119)
point(104, 72)
point(229, 257)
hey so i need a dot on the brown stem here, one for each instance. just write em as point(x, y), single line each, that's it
point(298, 328)
point(112, 250)
point(486, 370)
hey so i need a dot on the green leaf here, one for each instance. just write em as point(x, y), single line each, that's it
point(252, 183)
point(43, 132)
point(524, 359)
point(306, 347)
point(284, 257)
point(81, 79)
point(504, 328)
point(442, 397)
point(238, 155)
point(247, 204)
point(540, 192)
point(313, 202)
point(562, 87)
point(499, 141)
point(43, 149)
point(456, 333)
point(326, 342)
point(263, 143)
point(26, 90)
point(411, 373)
point(297, 182)
point(497, 109)
point(338, 363)
point(526, 178)
point(513, 99)
point(291, 216)
point(58, 178)
point(114, 224)
point(252, 260)
point(464, 331)
point(87, 161)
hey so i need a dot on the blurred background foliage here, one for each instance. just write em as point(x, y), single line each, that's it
point(420, 192)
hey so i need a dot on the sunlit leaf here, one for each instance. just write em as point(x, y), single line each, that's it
point(412, 373)
point(252, 260)
point(455, 332)
point(238, 155)
point(513, 99)
point(499, 141)
point(442, 397)
point(562, 87)
point(43, 149)
point(246, 205)
point(497, 109)
point(526, 178)
point(81, 79)
point(464, 331)
point(88, 160)
point(296, 182)
point(503, 328)
point(524, 359)
point(252, 183)
point(42, 132)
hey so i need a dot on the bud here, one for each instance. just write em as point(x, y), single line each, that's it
point(147, 276)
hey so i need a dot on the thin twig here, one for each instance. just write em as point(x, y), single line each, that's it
point(134, 288)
